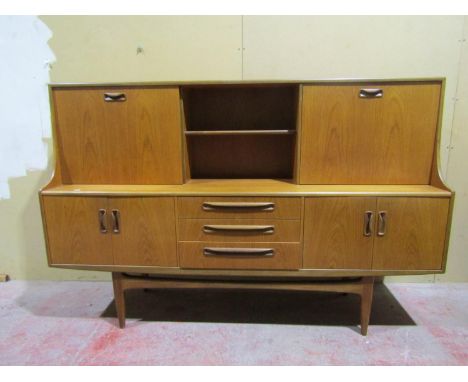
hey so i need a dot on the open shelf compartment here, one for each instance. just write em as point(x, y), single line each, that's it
point(241, 132)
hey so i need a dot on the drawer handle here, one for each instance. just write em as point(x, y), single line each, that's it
point(368, 223)
point(116, 221)
point(102, 220)
point(211, 206)
point(382, 223)
point(239, 228)
point(371, 93)
point(261, 252)
point(115, 97)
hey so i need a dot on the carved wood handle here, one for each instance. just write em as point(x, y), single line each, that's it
point(115, 97)
point(262, 252)
point(239, 228)
point(263, 206)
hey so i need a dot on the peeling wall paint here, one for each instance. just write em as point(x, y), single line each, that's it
point(24, 106)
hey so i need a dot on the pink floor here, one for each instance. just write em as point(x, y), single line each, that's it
point(73, 323)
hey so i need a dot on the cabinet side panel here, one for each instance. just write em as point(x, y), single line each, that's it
point(73, 230)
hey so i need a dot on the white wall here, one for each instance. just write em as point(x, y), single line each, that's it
point(104, 49)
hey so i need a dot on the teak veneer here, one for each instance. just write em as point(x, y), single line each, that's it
point(248, 185)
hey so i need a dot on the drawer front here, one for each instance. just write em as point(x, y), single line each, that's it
point(239, 207)
point(249, 256)
point(239, 230)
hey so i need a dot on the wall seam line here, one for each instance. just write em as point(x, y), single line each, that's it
point(447, 165)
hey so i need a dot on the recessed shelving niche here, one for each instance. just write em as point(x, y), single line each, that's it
point(244, 131)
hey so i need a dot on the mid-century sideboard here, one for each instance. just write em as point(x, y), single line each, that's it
point(300, 185)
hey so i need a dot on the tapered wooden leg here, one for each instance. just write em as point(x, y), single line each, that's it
point(366, 302)
point(119, 298)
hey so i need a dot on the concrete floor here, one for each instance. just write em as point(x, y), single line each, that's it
point(73, 323)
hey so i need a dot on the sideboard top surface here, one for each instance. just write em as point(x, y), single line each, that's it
point(239, 187)
point(325, 81)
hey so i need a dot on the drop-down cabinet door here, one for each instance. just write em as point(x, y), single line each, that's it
point(77, 230)
point(338, 232)
point(410, 233)
point(119, 135)
point(143, 231)
point(369, 133)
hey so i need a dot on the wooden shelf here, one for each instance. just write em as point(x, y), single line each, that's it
point(253, 187)
point(240, 132)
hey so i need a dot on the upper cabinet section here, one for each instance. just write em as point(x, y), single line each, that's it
point(118, 135)
point(310, 133)
point(369, 133)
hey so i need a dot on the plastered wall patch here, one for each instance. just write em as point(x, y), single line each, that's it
point(25, 60)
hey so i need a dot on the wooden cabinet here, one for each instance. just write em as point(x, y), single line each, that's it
point(399, 233)
point(110, 231)
point(119, 135)
point(311, 170)
point(253, 185)
point(368, 133)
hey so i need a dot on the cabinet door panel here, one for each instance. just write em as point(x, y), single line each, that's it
point(73, 230)
point(147, 231)
point(334, 233)
point(414, 233)
point(119, 142)
point(347, 139)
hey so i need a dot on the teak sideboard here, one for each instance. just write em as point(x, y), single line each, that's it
point(307, 185)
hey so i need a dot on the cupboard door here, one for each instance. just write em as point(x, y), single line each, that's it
point(130, 136)
point(143, 231)
point(410, 233)
point(75, 230)
point(350, 139)
point(338, 232)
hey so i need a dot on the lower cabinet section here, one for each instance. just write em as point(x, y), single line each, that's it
point(86, 230)
point(385, 233)
point(345, 233)
point(208, 255)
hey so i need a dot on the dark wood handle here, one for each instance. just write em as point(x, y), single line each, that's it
point(382, 223)
point(257, 252)
point(371, 93)
point(263, 206)
point(116, 221)
point(115, 97)
point(102, 220)
point(239, 228)
point(368, 220)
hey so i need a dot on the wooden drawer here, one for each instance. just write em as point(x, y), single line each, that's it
point(208, 255)
point(239, 230)
point(239, 207)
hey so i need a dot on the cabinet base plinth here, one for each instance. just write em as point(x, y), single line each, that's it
point(363, 287)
